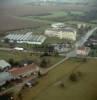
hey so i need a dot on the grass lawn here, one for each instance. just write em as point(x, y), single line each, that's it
point(55, 14)
point(17, 56)
point(85, 89)
point(36, 19)
point(3, 44)
point(53, 40)
point(77, 13)
point(77, 22)
point(53, 17)
point(59, 16)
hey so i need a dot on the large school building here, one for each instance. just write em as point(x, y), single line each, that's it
point(64, 33)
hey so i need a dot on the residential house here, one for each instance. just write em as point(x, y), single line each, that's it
point(25, 62)
point(4, 65)
point(25, 71)
point(83, 51)
point(4, 77)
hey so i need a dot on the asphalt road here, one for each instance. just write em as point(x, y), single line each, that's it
point(85, 38)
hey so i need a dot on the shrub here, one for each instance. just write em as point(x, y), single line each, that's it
point(62, 85)
point(74, 77)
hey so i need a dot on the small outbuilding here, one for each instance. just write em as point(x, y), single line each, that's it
point(4, 77)
point(4, 65)
point(24, 71)
point(83, 51)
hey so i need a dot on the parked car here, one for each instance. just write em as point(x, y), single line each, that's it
point(31, 83)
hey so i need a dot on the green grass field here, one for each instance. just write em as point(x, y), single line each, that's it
point(55, 14)
point(84, 89)
point(18, 56)
point(45, 20)
point(53, 40)
point(59, 16)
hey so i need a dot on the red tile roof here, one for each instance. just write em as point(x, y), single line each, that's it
point(26, 69)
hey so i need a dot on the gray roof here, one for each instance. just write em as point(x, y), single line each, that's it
point(4, 76)
point(26, 38)
point(4, 64)
point(19, 37)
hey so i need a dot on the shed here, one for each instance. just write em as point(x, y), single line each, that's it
point(4, 77)
point(4, 64)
